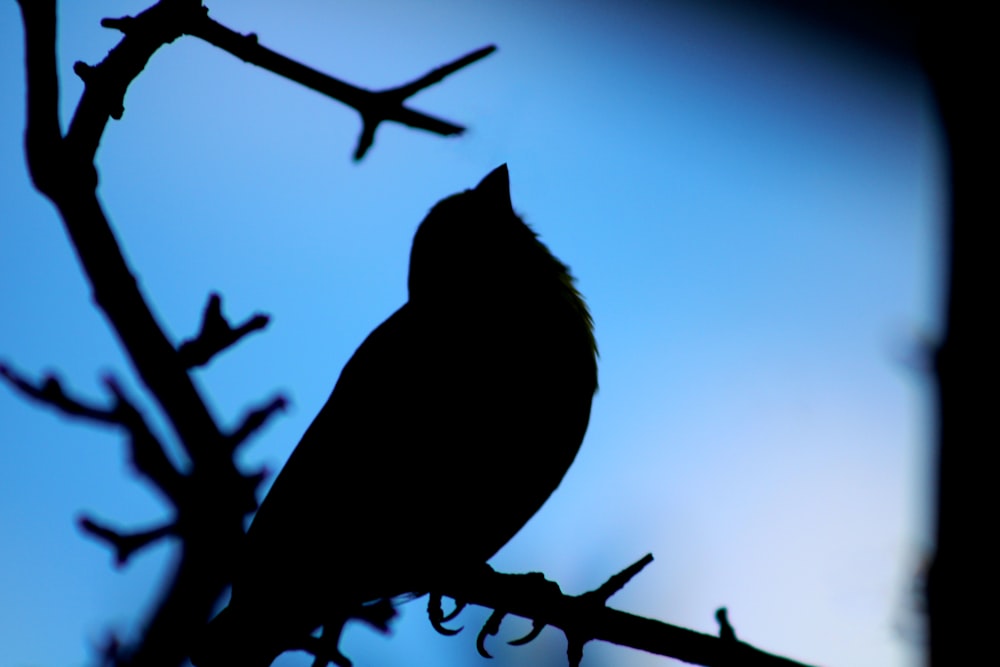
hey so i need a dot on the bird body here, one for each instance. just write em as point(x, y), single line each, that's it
point(448, 428)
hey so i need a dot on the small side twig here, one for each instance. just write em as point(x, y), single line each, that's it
point(388, 104)
point(373, 106)
point(255, 419)
point(146, 453)
point(216, 334)
point(726, 630)
point(586, 617)
point(597, 599)
point(125, 545)
point(51, 393)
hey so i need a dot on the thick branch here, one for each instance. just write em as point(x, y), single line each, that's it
point(43, 136)
point(217, 496)
point(114, 286)
point(216, 334)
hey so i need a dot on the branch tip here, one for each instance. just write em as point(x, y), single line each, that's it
point(124, 545)
point(439, 73)
point(255, 419)
point(216, 334)
point(121, 24)
point(726, 631)
point(83, 70)
point(50, 392)
point(618, 581)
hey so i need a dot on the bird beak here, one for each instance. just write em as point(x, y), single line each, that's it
point(496, 187)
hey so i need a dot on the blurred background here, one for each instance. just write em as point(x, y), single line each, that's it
point(750, 198)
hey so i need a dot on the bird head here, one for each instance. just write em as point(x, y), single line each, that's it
point(473, 245)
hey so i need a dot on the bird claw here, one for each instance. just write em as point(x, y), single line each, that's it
point(536, 629)
point(459, 606)
point(491, 627)
point(437, 617)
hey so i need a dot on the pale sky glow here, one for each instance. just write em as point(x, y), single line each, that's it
point(752, 215)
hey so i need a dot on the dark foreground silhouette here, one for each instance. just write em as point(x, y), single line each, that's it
point(447, 430)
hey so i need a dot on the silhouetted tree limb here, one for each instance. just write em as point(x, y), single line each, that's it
point(209, 494)
point(213, 496)
point(586, 617)
point(216, 334)
point(255, 419)
point(146, 453)
point(125, 544)
point(51, 392)
point(374, 106)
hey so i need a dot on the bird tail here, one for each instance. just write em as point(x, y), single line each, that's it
point(232, 640)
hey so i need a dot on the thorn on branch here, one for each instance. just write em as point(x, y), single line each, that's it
point(598, 598)
point(618, 581)
point(216, 334)
point(125, 545)
point(726, 630)
point(255, 419)
point(50, 392)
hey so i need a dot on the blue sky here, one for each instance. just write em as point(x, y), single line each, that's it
point(753, 215)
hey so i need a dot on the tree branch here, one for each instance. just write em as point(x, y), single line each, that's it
point(216, 334)
point(125, 544)
point(106, 83)
point(51, 393)
point(146, 453)
point(216, 496)
point(373, 106)
point(255, 419)
point(585, 617)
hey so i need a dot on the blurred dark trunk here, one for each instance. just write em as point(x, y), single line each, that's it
point(956, 51)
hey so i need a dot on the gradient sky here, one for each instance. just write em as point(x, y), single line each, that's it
point(753, 214)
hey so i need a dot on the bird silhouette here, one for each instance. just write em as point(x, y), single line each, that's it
point(448, 428)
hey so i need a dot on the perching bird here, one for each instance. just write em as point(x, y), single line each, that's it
point(447, 430)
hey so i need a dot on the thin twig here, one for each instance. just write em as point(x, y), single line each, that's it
point(146, 453)
point(255, 419)
point(125, 545)
point(51, 393)
point(216, 334)
point(373, 106)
